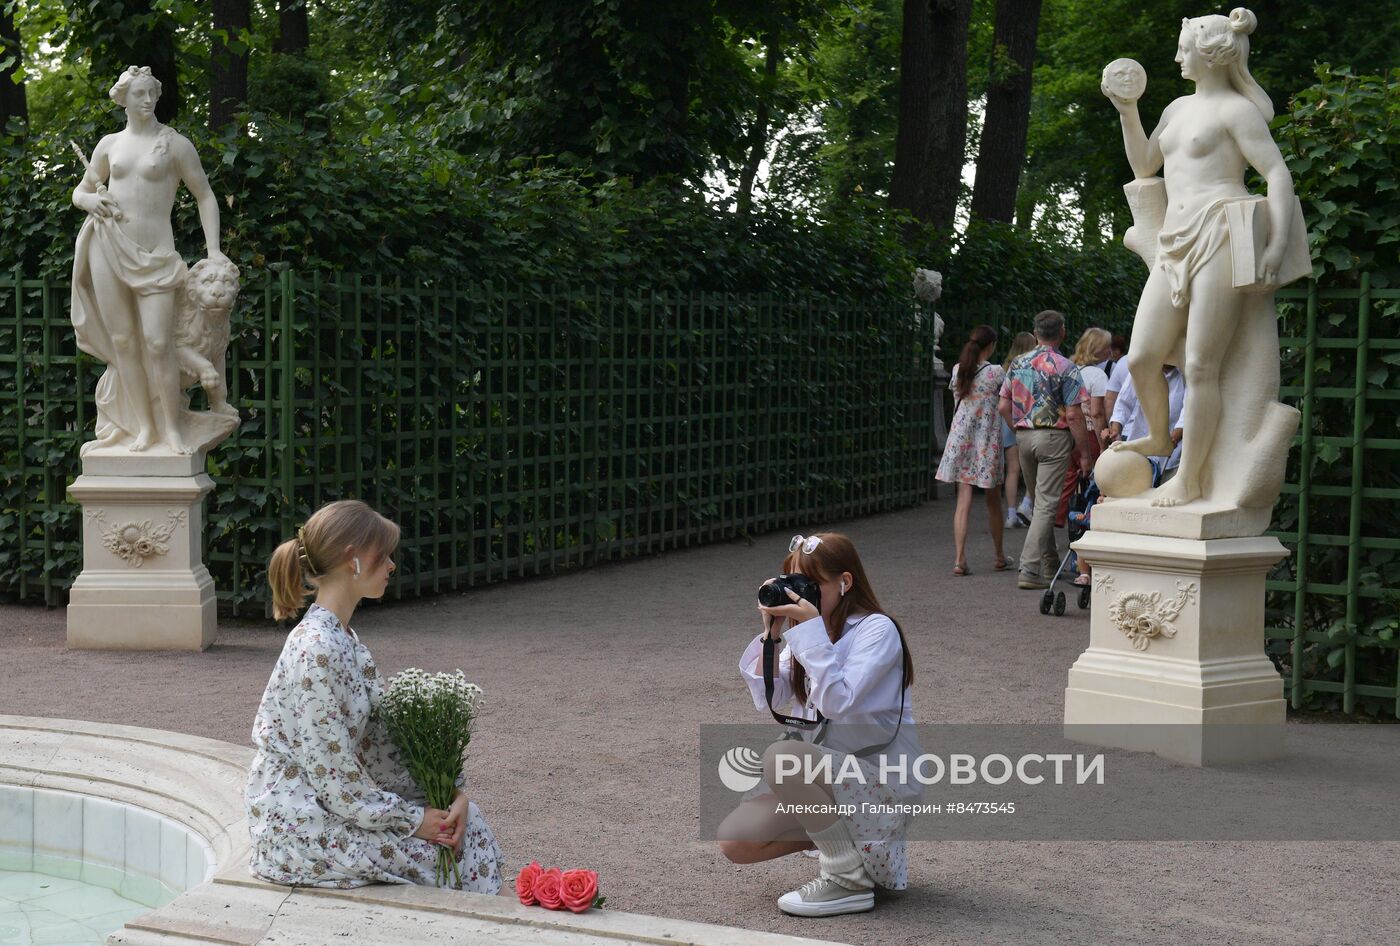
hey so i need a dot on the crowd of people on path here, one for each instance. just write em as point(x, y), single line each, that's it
point(1042, 419)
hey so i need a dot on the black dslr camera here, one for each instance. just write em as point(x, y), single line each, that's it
point(773, 594)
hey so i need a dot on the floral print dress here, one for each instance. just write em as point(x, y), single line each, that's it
point(973, 451)
point(328, 802)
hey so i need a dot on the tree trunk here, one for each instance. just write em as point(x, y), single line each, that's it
point(294, 30)
point(13, 103)
point(932, 132)
point(228, 74)
point(758, 135)
point(1003, 149)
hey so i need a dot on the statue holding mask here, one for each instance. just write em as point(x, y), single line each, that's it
point(1216, 254)
point(1176, 637)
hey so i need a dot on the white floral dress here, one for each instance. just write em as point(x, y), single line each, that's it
point(328, 802)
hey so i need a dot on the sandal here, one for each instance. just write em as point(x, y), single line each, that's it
point(1002, 564)
point(961, 570)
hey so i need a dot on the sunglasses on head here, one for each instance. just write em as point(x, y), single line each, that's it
point(808, 544)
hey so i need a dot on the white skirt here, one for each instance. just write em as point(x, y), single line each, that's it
point(875, 822)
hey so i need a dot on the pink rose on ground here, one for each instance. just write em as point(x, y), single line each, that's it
point(547, 888)
point(525, 883)
point(578, 889)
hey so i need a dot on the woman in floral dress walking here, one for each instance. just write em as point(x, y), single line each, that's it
point(972, 455)
point(329, 804)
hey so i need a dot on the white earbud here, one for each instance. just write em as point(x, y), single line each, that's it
point(357, 566)
point(843, 589)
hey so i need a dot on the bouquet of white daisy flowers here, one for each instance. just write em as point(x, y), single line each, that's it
point(429, 717)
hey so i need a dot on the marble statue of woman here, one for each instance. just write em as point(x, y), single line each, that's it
point(1216, 256)
point(132, 307)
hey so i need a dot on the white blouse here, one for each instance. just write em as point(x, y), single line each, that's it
point(854, 682)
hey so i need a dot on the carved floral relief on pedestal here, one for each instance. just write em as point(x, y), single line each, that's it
point(134, 542)
point(1143, 615)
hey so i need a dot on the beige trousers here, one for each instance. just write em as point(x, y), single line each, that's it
point(1045, 453)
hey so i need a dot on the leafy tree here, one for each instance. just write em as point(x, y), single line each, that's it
point(839, 141)
point(1342, 143)
point(13, 103)
point(619, 87)
point(786, 29)
point(114, 34)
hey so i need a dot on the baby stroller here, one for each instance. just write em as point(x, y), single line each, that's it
point(1081, 507)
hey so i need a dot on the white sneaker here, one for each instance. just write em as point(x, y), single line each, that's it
point(1023, 511)
point(822, 897)
point(1012, 522)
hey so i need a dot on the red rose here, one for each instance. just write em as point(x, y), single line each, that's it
point(578, 889)
point(525, 883)
point(547, 889)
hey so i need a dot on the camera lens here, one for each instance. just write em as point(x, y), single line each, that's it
point(773, 594)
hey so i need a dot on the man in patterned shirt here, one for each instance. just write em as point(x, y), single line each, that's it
point(1041, 399)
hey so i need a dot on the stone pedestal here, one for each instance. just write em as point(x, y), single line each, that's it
point(143, 585)
point(1176, 661)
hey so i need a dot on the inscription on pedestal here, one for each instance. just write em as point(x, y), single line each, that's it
point(1143, 516)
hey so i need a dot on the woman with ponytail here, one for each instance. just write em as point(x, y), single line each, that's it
point(972, 456)
point(329, 804)
point(1196, 301)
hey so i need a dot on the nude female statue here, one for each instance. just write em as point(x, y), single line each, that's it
point(127, 275)
point(1195, 307)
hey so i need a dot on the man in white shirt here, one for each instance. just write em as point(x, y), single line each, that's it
point(1117, 378)
point(1128, 421)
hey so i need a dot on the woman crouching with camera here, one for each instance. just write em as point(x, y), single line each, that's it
point(844, 672)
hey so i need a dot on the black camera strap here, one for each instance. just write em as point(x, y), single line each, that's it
point(770, 669)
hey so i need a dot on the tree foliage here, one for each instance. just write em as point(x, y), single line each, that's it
point(1342, 144)
point(1076, 167)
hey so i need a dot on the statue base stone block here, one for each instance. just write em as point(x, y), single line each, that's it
point(1176, 663)
point(143, 585)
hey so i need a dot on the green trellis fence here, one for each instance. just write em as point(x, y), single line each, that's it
point(1335, 615)
point(516, 433)
point(510, 433)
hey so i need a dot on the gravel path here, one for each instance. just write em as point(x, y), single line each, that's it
point(597, 680)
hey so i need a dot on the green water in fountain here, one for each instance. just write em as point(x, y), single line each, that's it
point(55, 911)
